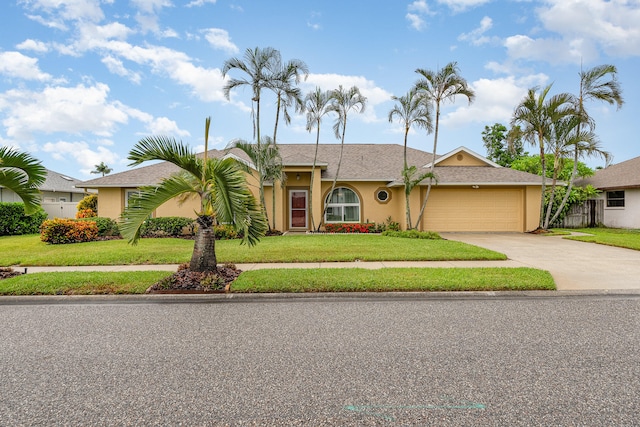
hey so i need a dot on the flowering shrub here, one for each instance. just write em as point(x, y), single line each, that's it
point(369, 227)
point(60, 231)
point(86, 213)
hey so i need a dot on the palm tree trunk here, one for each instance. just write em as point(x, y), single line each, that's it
point(335, 179)
point(204, 248)
point(433, 164)
point(406, 183)
point(313, 173)
point(543, 164)
point(551, 197)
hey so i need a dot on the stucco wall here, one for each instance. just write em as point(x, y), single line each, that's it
point(110, 202)
point(627, 216)
point(462, 159)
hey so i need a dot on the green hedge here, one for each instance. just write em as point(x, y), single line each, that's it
point(13, 220)
point(106, 226)
point(168, 226)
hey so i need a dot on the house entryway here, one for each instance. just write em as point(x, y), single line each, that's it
point(298, 215)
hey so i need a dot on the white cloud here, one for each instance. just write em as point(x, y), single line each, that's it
point(419, 6)
point(584, 30)
point(17, 65)
point(477, 37)
point(34, 45)
point(116, 66)
point(219, 39)
point(147, 16)
point(200, 3)
point(61, 109)
point(462, 5)
point(165, 126)
point(416, 22)
point(82, 153)
point(494, 102)
point(56, 11)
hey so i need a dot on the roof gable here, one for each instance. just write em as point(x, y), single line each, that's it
point(462, 156)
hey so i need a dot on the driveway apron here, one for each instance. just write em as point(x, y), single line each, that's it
point(574, 265)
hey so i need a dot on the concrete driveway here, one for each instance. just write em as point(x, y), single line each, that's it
point(574, 265)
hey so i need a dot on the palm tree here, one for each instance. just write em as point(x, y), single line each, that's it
point(412, 109)
point(442, 85)
point(268, 155)
point(22, 174)
point(342, 101)
point(102, 168)
point(219, 184)
point(283, 84)
point(316, 104)
point(592, 87)
point(536, 115)
point(261, 68)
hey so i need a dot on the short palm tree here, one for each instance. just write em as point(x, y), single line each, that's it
point(440, 86)
point(219, 184)
point(412, 109)
point(342, 101)
point(536, 116)
point(316, 104)
point(22, 174)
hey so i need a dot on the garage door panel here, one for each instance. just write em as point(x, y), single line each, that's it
point(475, 210)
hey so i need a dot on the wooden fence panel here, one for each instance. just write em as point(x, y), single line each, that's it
point(588, 214)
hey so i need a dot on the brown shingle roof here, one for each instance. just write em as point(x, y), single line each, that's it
point(621, 175)
point(360, 162)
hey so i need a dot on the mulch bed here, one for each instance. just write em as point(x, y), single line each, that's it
point(6, 272)
point(187, 281)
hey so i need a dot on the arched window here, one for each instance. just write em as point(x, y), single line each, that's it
point(343, 206)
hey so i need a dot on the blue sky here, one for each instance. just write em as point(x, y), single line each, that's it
point(81, 81)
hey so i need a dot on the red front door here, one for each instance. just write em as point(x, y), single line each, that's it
point(298, 208)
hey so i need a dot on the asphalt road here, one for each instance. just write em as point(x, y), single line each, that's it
point(486, 360)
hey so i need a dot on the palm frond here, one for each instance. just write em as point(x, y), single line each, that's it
point(165, 149)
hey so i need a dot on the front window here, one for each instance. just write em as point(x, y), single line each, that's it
point(343, 206)
point(615, 199)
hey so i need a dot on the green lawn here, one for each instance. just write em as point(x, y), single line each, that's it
point(29, 250)
point(293, 280)
point(623, 238)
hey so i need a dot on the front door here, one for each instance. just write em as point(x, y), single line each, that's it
point(298, 208)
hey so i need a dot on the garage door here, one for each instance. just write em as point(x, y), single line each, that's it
point(475, 210)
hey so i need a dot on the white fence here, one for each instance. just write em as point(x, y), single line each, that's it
point(60, 209)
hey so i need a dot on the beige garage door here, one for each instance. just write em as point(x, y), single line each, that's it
point(475, 210)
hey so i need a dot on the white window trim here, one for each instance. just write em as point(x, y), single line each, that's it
point(343, 205)
point(126, 196)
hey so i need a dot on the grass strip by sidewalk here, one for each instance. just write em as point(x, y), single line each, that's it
point(293, 280)
point(622, 238)
point(393, 279)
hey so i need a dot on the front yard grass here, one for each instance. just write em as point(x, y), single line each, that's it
point(293, 280)
point(623, 238)
point(30, 251)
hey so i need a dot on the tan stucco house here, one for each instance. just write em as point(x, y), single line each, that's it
point(472, 192)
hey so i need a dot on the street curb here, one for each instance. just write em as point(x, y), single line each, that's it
point(309, 297)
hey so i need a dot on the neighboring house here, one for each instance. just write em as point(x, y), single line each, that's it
point(620, 191)
point(472, 192)
point(59, 195)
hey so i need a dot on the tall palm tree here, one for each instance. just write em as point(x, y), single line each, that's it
point(593, 86)
point(412, 109)
point(536, 115)
point(261, 68)
point(268, 155)
point(284, 85)
point(342, 101)
point(102, 168)
point(22, 174)
point(219, 184)
point(316, 104)
point(440, 86)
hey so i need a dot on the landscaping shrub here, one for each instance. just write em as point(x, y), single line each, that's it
point(13, 220)
point(388, 224)
point(413, 234)
point(61, 231)
point(88, 207)
point(107, 227)
point(168, 226)
point(369, 227)
point(225, 232)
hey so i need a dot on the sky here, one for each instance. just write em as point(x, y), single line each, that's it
point(81, 81)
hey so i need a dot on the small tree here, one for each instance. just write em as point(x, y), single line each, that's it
point(87, 207)
point(502, 147)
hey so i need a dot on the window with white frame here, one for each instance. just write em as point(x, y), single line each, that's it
point(343, 206)
point(615, 199)
point(128, 194)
